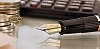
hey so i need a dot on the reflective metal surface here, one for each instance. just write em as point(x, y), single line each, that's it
point(9, 17)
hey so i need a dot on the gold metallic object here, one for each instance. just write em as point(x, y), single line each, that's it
point(50, 26)
point(7, 27)
point(52, 31)
point(4, 23)
point(16, 19)
point(8, 9)
point(3, 18)
point(8, 31)
point(8, 6)
point(9, 3)
point(9, 16)
point(12, 12)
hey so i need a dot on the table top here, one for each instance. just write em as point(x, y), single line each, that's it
point(33, 21)
point(76, 41)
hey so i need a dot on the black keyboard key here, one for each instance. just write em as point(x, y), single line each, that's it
point(59, 6)
point(76, 1)
point(48, 1)
point(87, 9)
point(75, 4)
point(89, 2)
point(64, 0)
point(46, 5)
point(73, 8)
point(63, 3)
point(33, 4)
point(88, 5)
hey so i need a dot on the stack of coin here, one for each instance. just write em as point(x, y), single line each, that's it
point(6, 26)
point(11, 8)
point(9, 16)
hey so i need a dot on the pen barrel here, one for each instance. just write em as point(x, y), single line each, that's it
point(79, 25)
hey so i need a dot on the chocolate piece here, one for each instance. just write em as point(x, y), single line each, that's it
point(59, 6)
point(89, 2)
point(76, 1)
point(48, 1)
point(73, 8)
point(64, 3)
point(87, 9)
point(75, 4)
point(46, 5)
point(88, 5)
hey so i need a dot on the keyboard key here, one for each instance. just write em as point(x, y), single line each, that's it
point(46, 5)
point(75, 4)
point(88, 5)
point(33, 4)
point(89, 2)
point(58, 6)
point(63, 0)
point(64, 3)
point(76, 1)
point(87, 9)
point(73, 8)
point(48, 1)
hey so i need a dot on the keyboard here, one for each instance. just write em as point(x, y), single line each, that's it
point(62, 9)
